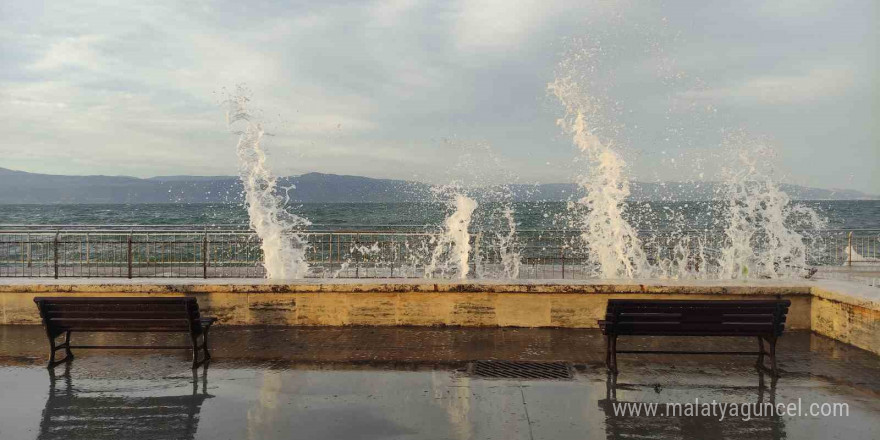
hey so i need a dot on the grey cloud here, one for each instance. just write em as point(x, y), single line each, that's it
point(374, 88)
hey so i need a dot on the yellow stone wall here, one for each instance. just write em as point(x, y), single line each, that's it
point(469, 309)
point(854, 325)
point(473, 305)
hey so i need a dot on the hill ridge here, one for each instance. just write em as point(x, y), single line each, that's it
point(21, 187)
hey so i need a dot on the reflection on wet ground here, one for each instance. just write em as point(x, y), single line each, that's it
point(410, 383)
point(770, 426)
point(74, 413)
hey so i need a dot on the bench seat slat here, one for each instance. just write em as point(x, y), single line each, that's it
point(130, 330)
point(178, 308)
point(175, 305)
point(683, 332)
point(120, 320)
point(691, 302)
point(707, 310)
point(116, 327)
point(693, 306)
point(693, 313)
point(688, 313)
point(697, 319)
point(115, 300)
point(83, 324)
point(702, 334)
point(647, 326)
point(118, 314)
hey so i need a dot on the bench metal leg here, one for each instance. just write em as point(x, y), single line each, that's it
point(771, 352)
point(53, 348)
point(608, 352)
point(203, 347)
point(195, 350)
point(613, 354)
point(67, 352)
point(205, 343)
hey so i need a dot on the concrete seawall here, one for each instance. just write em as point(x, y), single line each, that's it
point(842, 311)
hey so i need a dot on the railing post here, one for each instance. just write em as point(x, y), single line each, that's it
point(55, 253)
point(339, 252)
point(357, 262)
point(329, 267)
point(393, 256)
point(849, 249)
point(562, 251)
point(205, 256)
point(129, 254)
point(29, 259)
point(338, 249)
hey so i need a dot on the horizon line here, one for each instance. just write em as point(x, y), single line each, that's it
point(417, 181)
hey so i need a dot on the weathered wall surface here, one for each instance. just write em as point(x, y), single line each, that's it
point(417, 305)
point(842, 311)
point(851, 318)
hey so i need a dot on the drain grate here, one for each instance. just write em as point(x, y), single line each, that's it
point(520, 370)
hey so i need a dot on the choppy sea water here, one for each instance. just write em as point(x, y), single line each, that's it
point(545, 215)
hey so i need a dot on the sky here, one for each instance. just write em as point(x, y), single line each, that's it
point(429, 90)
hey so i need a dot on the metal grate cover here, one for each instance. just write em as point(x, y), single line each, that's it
point(520, 370)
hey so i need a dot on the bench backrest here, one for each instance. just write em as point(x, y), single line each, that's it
point(119, 314)
point(696, 318)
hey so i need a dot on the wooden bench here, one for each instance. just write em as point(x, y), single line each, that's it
point(763, 319)
point(65, 315)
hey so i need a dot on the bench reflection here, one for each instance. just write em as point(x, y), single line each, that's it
point(72, 413)
point(620, 427)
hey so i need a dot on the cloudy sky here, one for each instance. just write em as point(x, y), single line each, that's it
point(404, 88)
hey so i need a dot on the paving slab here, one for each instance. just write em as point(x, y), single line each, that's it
point(412, 383)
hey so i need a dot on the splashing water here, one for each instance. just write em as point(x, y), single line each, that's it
point(763, 227)
point(762, 233)
point(508, 247)
point(284, 250)
point(610, 242)
point(451, 254)
point(496, 251)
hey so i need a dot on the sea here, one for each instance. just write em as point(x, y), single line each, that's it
point(647, 216)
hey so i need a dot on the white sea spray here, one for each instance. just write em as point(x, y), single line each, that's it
point(284, 246)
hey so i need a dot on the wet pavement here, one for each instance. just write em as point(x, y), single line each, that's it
point(412, 383)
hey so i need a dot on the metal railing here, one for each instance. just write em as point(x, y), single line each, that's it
point(380, 252)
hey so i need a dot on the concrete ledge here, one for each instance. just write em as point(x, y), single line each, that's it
point(145, 285)
point(842, 311)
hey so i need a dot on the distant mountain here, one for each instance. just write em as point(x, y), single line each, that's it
point(22, 187)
